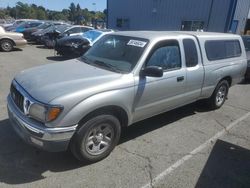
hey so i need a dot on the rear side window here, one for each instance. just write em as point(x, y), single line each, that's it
point(246, 40)
point(222, 49)
point(190, 53)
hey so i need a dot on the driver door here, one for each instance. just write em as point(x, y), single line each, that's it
point(156, 95)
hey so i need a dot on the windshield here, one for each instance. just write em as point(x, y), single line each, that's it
point(22, 24)
point(18, 22)
point(92, 35)
point(116, 53)
point(44, 26)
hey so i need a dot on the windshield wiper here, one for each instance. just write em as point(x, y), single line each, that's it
point(99, 64)
point(86, 60)
point(109, 66)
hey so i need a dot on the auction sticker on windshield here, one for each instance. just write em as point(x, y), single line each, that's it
point(137, 43)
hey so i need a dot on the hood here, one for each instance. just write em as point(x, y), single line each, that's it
point(47, 82)
point(72, 39)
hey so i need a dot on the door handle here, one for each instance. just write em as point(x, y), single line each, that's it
point(180, 79)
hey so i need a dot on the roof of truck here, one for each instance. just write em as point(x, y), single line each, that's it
point(156, 34)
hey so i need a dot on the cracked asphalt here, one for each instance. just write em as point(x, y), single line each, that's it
point(146, 149)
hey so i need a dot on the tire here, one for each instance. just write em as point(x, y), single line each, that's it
point(6, 45)
point(219, 96)
point(96, 138)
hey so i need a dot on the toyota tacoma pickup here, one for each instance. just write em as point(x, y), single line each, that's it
point(126, 77)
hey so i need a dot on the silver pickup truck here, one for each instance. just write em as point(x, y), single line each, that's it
point(124, 78)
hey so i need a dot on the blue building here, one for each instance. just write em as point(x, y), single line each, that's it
point(189, 15)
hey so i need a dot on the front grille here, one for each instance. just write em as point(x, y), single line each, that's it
point(17, 97)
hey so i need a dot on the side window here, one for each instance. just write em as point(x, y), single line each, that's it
point(190, 53)
point(34, 24)
point(74, 30)
point(166, 55)
point(222, 49)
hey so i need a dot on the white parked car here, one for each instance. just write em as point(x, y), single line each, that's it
point(10, 39)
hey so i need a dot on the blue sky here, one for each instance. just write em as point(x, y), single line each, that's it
point(59, 4)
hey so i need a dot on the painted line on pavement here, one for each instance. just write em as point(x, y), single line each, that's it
point(170, 169)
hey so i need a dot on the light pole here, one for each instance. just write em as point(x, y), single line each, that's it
point(94, 4)
point(95, 21)
point(16, 11)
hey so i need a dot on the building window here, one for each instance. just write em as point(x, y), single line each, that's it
point(222, 49)
point(122, 23)
point(192, 25)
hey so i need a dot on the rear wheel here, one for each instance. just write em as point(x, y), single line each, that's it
point(220, 95)
point(96, 138)
point(6, 45)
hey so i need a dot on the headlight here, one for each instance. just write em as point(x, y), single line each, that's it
point(44, 113)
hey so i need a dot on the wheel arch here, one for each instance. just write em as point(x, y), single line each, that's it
point(13, 42)
point(117, 111)
point(228, 79)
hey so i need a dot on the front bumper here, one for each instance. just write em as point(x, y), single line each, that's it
point(20, 43)
point(49, 139)
point(66, 50)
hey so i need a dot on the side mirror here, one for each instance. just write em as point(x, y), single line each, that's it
point(152, 71)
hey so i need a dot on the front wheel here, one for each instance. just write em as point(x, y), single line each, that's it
point(96, 138)
point(220, 95)
point(6, 45)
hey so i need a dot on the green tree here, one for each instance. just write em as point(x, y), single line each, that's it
point(2, 14)
point(72, 12)
point(23, 10)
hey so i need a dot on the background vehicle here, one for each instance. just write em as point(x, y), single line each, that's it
point(26, 25)
point(49, 38)
point(27, 32)
point(16, 23)
point(75, 30)
point(5, 23)
point(10, 39)
point(38, 36)
point(123, 78)
point(77, 45)
point(246, 40)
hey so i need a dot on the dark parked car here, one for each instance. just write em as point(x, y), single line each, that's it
point(16, 24)
point(26, 25)
point(246, 40)
point(27, 33)
point(39, 35)
point(78, 45)
point(49, 38)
